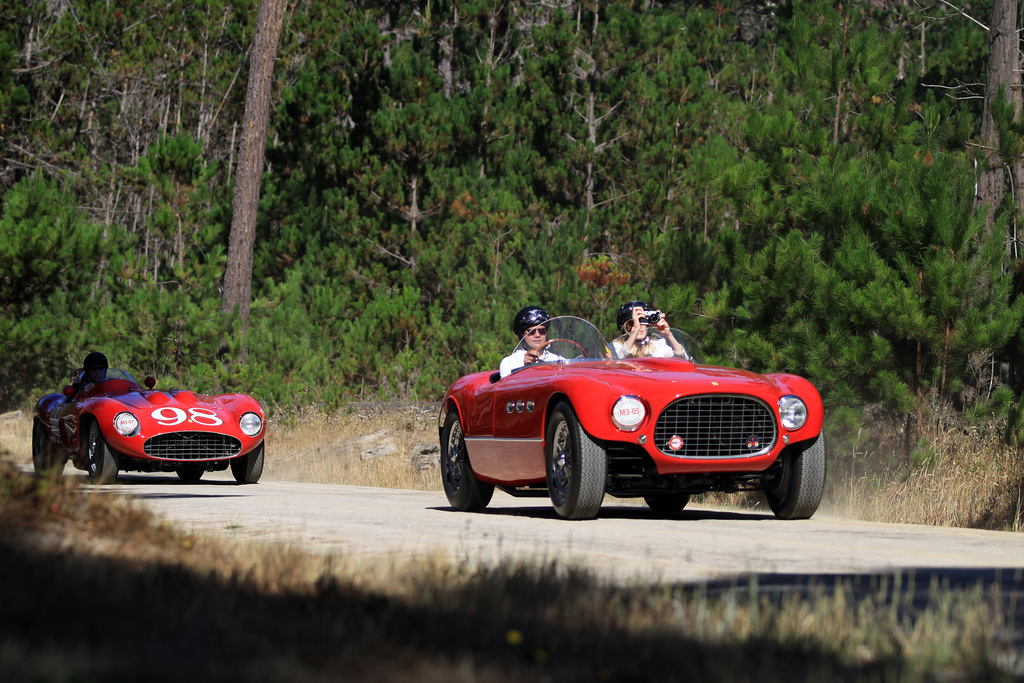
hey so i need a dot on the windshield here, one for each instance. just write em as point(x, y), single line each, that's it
point(568, 338)
point(112, 373)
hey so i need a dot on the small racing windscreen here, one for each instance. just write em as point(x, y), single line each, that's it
point(567, 338)
point(116, 373)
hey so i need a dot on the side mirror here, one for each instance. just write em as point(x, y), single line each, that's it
point(69, 391)
point(150, 382)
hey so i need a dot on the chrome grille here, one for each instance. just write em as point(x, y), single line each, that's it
point(192, 446)
point(717, 426)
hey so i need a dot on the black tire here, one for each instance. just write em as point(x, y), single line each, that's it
point(796, 491)
point(667, 503)
point(248, 468)
point(576, 466)
point(48, 458)
point(465, 492)
point(101, 461)
point(191, 473)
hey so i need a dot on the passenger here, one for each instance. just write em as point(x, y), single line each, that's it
point(633, 320)
point(531, 325)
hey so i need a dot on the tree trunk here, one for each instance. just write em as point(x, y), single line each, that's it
point(1003, 72)
point(238, 274)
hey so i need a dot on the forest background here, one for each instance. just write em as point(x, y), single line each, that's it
point(795, 184)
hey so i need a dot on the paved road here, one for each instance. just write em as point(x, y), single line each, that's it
point(625, 543)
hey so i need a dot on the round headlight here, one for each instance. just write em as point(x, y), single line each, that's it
point(126, 424)
point(250, 424)
point(628, 412)
point(793, 412)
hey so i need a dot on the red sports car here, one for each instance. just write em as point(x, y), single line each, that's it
point(117, 425)
point(594, 422)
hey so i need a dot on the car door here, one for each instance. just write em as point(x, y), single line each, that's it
point(520, 401)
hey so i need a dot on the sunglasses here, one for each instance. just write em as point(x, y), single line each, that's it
point(536, 330)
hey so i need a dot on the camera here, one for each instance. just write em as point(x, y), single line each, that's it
point(650, 317)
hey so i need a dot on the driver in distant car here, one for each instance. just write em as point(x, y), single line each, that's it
point(634, 320)
point(94, 371)
point(531, 325)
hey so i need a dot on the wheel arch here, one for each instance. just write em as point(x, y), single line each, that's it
point(555, 398)
point(449, 404)
point(85, 422)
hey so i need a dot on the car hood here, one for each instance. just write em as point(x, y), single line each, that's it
point(142, 400)
point(662, 375)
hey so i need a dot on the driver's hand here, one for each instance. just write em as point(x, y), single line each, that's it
point(531, 356)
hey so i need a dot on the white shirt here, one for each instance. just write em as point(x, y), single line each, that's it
point(518, 360)
point(659, 348)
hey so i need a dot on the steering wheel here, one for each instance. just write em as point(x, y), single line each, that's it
point(548, 343)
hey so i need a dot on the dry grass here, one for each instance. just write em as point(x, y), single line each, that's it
point(964, 477)
point(364, 445)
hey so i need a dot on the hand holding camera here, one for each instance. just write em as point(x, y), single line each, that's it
point(650, 317)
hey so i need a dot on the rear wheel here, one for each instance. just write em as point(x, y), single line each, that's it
point(795, 492)
point(576, 466)
point(465, 492)
point(667, 503)
point(191, 473)
point(47, 457)
point(101, 461)
point(248, 468)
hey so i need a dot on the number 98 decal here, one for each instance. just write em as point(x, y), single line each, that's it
point(169, 417)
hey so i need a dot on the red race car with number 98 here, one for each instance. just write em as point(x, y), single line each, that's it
point(117, 425)
point(589, 419)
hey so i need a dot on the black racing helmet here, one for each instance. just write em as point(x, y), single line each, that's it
point(527, 318)
point(95, 361)
point(626, 312)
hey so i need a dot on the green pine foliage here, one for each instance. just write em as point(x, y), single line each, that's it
point(795, 190)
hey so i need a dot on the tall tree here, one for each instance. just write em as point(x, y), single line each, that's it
point(1002, 87)
point(238, 274)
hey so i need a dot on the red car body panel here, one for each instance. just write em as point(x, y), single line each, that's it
point(158, 412)
point(508, 447)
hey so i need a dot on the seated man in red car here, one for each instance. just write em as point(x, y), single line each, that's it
point(531, 325)
point(94, 371)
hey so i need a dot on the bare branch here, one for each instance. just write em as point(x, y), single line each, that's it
point(963, 13)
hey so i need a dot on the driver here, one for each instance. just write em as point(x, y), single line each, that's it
point(531, 325)
point(636, 342)
point(94, 371)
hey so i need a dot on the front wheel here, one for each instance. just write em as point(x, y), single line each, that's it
point(248, 468)
point(795, 492)
point(576, 466)
point(465, 492)
point(47, 457)
point(101, 461)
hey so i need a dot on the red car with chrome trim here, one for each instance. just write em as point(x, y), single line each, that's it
point(594, 423)
point(117, 425)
